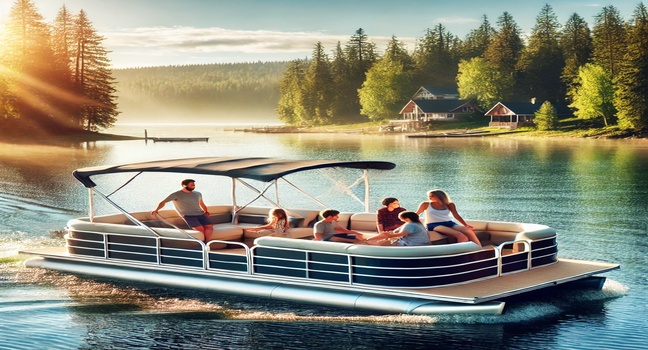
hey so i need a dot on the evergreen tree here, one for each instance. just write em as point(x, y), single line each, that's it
point(545, 118)
point(346, 107)
point(360, 56)
point(609, 40)
point(93, 77)
point(632, 78)
point(477, 41)
point(361, 53)
point(576, 45)
point(505, 48)
point(435, 58)
point(28, 62)
point(318, 88)
point(388, 84)
point(291, 95)
point(541, 62)
point(593, 95)
point(479, 79)
point(63, 49)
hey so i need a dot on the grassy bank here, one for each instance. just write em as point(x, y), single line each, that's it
point(573, 127)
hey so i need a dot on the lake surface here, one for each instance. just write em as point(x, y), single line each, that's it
point(592, 191)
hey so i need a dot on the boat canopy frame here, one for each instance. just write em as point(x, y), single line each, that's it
point(266, 170)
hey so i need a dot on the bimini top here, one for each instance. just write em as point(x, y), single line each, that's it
point(262, 169)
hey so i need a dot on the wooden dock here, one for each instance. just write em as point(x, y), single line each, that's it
point(178, 139)
point(174, 139)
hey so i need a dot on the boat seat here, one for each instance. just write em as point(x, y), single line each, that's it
point(368, 250)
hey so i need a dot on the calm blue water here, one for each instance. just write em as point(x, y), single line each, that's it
point(593, 191)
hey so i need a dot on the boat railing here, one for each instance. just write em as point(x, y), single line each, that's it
point(161, 250)
point(403, 267)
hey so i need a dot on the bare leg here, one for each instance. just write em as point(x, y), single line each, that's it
point(469, 233)
point(458, 235)
point(209, 229)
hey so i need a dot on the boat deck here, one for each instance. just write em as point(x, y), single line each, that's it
point(563, 271)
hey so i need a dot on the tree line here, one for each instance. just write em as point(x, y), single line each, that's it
point(54, 77)
point(214, 92)
point(600, 73)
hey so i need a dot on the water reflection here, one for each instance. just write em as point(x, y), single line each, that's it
point(593, 192)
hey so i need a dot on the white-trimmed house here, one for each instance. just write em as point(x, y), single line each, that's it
point(434, 104)
point(512, 115)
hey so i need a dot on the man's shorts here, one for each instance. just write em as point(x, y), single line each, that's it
point(432, 225)
point(341, 235)
point(197, 220)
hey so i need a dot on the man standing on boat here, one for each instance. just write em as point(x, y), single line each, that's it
point(189, 204)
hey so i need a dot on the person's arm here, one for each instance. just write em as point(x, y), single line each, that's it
point(422, 207)
point(453, 209)
point(204, 207)
point(160, 206)
point(347, 240)
point(258, 228)
point(379, 221)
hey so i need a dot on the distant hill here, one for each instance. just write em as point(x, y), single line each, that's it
point(231, 92)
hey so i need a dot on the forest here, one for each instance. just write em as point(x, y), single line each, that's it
point(601, 73)
point(229, 92)
point(56, 77)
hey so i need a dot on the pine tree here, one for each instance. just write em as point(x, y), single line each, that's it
point(346, 107)
point(93, 77)
point(609, 40)
point(63, 49)
point(318, 88)
point(388, 83)
point(477, 41)
point(576, 45)
point(289, 107)
point(436, 58)
point(28, 62)
point(505, 48)
point(631, 95)
point(545, 118)
point(541, 62)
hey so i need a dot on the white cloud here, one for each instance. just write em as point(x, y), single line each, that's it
point(148, 46)
point(203, 40)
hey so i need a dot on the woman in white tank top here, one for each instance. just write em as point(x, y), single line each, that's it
point(438, 217)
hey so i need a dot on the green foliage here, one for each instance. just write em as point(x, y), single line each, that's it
point(576, 45)
point(545, 118)
point(289, 106)
point(388, 84)
point(477, 41)
point(479, 79)
point(609, 40)
point(593, 95)
point(505, 48)
point(541, 62)
point(632, 79)
point(436, 58)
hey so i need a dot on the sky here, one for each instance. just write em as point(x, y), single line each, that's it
point(143, 33)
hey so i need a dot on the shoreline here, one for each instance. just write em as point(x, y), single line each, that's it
point(373, 130)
